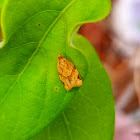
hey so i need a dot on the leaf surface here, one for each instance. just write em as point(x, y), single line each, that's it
point(90, 115)
point(35, 32)
point(1, 3)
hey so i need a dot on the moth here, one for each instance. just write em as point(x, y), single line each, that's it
point(68, 73)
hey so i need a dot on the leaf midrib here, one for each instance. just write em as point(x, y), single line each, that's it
point(40, 43)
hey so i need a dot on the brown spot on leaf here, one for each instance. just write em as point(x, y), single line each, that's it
point(38, 24)
point(68, 73)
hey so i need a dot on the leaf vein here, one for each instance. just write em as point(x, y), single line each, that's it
point(28, 63)
point(67, 125)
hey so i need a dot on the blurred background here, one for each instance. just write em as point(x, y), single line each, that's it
point(116, 39)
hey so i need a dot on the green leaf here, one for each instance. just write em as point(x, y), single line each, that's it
point(35, 32)
point(1, 3)
point(90, 115)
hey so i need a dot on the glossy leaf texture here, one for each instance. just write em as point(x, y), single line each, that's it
point(90, 115)
point(35, 32)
